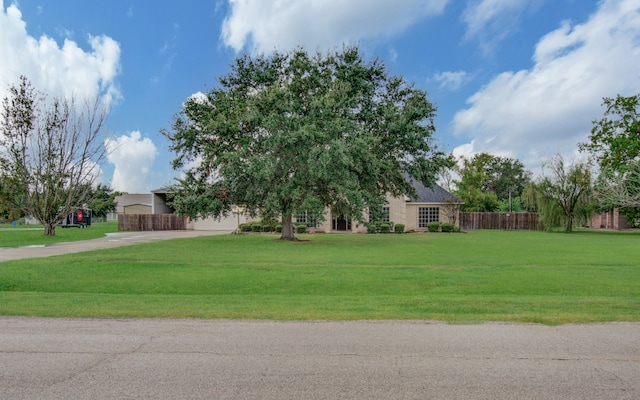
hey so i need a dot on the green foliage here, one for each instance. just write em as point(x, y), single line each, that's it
point(615, 139)
point(101, 200)
point(301, 228)
point(515, 205)
point(433, 226)
point(487, 180)
point(564, 197)
point(399, 228)
point(447, 227)
point(246, 227)
point(256, 227)
point(385, 227)
point(294, 132)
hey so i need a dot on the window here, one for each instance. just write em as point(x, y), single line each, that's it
point(385, 215)
point(306, 217)
point(426, 215)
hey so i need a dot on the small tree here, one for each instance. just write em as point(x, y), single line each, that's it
point(563, 197)
point(101, 200)
point(294, 132)
point(50, 151)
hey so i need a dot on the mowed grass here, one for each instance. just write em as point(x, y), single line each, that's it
point(30, 235)
point(518, 276)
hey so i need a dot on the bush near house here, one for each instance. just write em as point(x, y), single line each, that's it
point(301, 228)
point(447, 227)
point(433, 226)
point(256, 227)
point(399, 228)
point(385, 228)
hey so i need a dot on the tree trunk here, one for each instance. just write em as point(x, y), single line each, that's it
point(569, 226)
point(287, 228)
point(49, 230)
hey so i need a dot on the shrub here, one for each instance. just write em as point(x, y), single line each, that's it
point(447, 227)
point(385, 228)
point(433, 226)
point(371, 228)
point(245, 227)
point(399, 228)
point(302, 228)
point(267, 228)
point(256, 227)
point(279, 228)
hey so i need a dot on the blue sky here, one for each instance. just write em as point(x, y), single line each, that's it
point(517, 78)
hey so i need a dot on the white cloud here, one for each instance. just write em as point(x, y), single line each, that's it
point(533, 114)
point(262, 26)
point(451, 80)
point(53, 69)
point(132, 157)
point(491, 21)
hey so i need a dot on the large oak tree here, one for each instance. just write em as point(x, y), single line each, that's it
point(294, 132)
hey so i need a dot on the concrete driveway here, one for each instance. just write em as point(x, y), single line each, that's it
point(219, 359)
point(111, 240)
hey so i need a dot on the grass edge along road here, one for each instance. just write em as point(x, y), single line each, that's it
point(519, 276)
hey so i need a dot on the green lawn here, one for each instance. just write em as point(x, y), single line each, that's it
point(28, 235)
point(520, 276)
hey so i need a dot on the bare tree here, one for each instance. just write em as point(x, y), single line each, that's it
point(51, 150)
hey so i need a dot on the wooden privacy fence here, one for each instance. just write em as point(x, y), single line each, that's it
point(507, 221)
point(151, 222)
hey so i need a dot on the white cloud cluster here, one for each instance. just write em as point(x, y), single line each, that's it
point(262, 26)
point(550, 106)
point(53, 69)
point(132, 157)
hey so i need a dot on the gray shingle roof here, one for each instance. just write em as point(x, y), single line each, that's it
point(436, 194)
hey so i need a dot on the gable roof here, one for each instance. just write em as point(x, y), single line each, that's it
point(436, 194)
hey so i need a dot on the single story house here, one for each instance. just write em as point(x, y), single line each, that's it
point(430, 204)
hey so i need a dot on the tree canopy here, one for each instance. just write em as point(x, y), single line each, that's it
point(487, 181)
point(615, 139)
point(48, 152)
point(294, 132)
point(562, 197)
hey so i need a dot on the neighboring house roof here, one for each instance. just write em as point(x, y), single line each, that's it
point(163, 190)
point(129, 199)
point(436, 194)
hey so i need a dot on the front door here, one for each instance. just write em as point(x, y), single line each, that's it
point(341, 223)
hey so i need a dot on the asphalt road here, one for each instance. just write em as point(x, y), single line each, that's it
point(220, 359)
